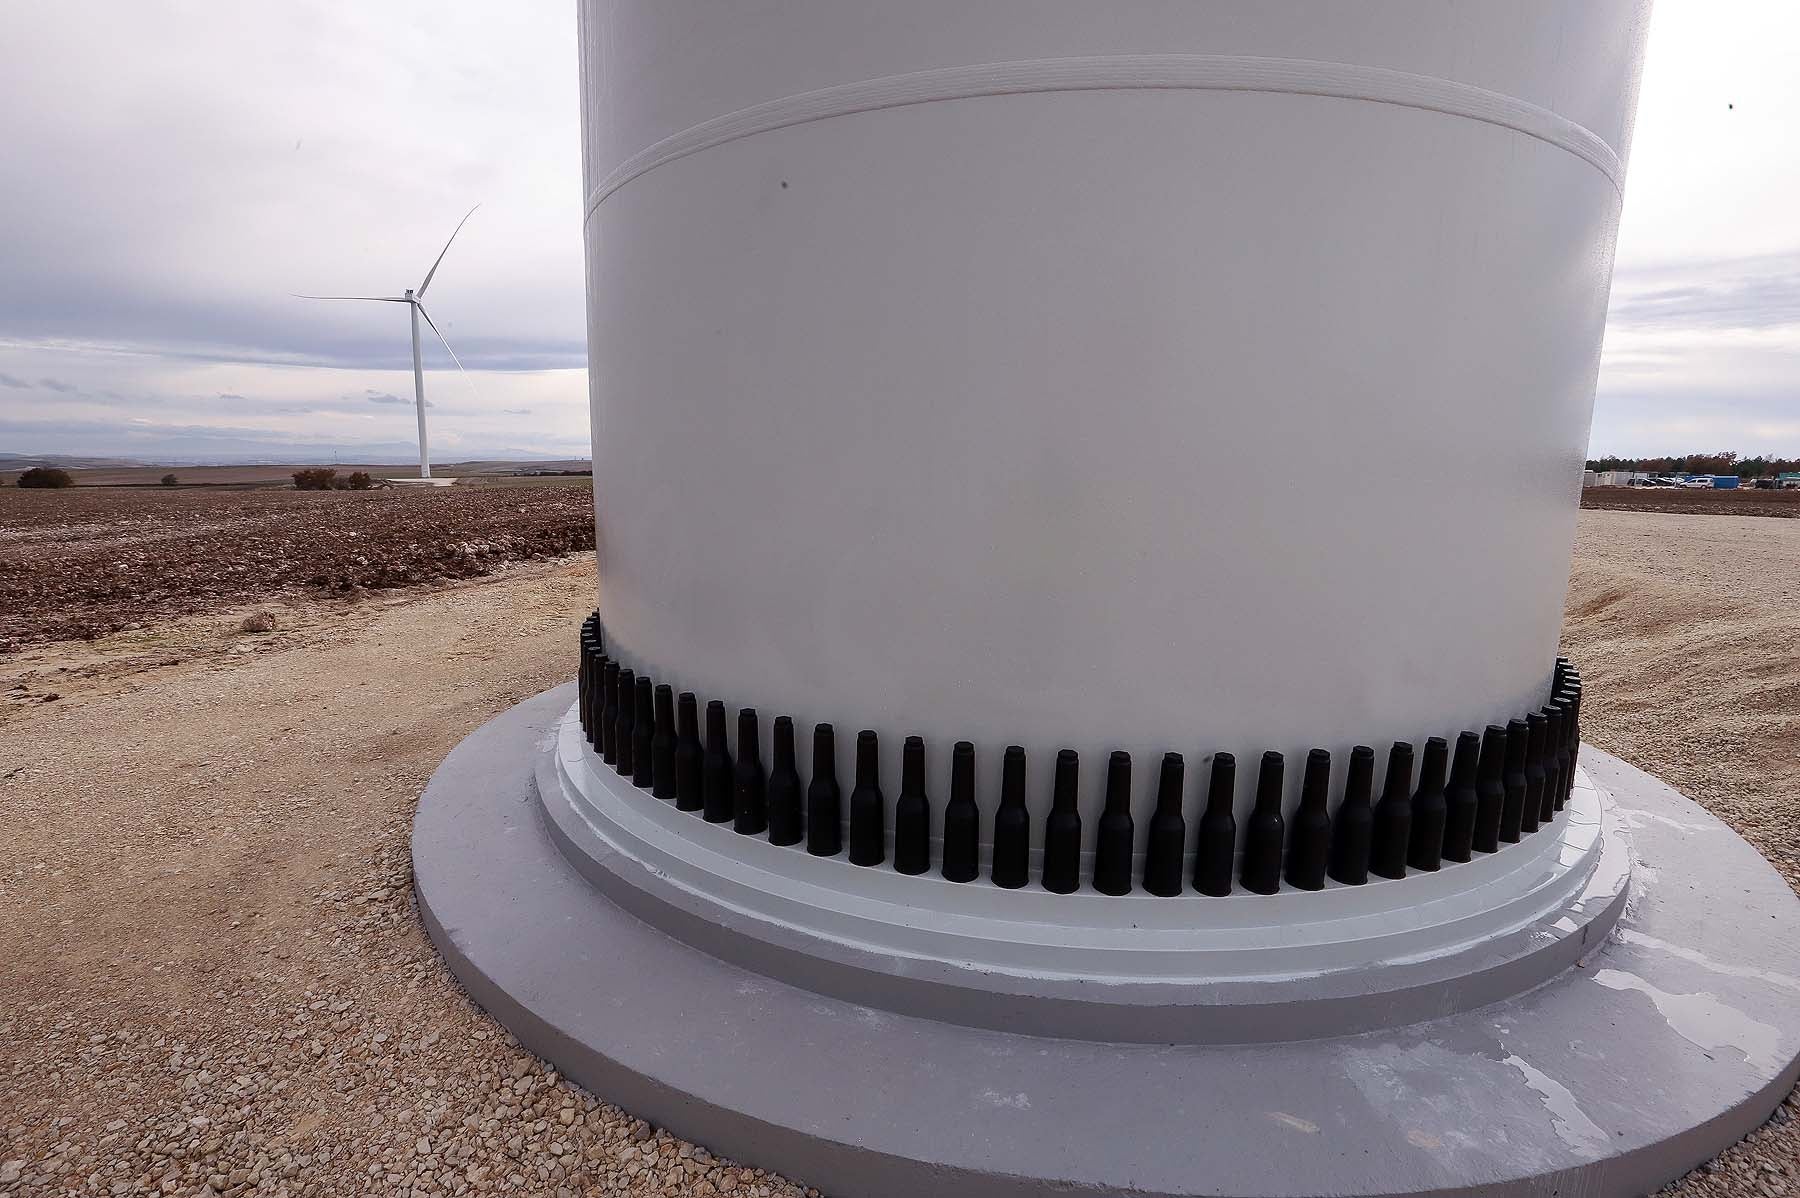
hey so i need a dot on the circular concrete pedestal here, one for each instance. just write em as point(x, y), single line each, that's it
point(1134, 968)
point(1677, 1035)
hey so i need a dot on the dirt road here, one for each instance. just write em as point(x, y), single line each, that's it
point(212, 978)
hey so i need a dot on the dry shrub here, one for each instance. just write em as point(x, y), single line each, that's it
point(45, 476)
point(315, 478)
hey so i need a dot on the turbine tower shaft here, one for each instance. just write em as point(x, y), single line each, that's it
point(412, 306)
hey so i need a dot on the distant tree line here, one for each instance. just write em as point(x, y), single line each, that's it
point(1760, 466)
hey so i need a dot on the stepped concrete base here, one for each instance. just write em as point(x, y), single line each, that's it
point(1673, 1039)
point(1135, 968)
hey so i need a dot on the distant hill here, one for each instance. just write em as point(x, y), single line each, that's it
point(10, 462)
point(507, 466)
point(401, 461)
point(117, 472)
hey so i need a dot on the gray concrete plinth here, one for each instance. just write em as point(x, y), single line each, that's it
point(1670, 1042)
point(1135, 968)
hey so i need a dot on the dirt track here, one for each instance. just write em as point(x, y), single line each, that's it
point(213, 975)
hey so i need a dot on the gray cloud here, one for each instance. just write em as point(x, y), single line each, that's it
point(57, 385)
point(1701, 357)
point(390, 397)
point(1759, 293)
point(7, 380)
point(510, 411)
point(1647, 424)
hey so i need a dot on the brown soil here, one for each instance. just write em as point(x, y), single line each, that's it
point(85, 562)
point(1739, 502)
point(275, 474)
point(214, 978)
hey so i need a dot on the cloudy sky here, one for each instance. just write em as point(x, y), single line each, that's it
point(172, 171)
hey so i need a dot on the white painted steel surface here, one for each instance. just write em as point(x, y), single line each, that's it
point(1137, 375)
point(419, 388)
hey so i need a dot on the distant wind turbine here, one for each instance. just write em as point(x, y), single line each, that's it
point(415, 301)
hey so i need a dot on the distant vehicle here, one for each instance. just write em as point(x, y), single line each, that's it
point(1698, 482)
point(1651, 482)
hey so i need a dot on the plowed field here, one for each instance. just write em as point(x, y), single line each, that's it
point(1739, 501)
point(81, 563)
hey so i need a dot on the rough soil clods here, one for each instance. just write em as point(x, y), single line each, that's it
point(85, 563)
point(1741, 501)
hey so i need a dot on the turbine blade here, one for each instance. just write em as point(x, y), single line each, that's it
point(386, 299)
point(453, 357)
point(445, 250)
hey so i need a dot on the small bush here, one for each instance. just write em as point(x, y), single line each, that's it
point(45, 476)
point(360, 480)
point(315, 478)
point(169, 480)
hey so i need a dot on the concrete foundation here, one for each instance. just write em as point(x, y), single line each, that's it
point(1673, 1035)
point(1133, 968)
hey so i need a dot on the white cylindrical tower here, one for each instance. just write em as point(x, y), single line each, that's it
point(1151, 429)
point(1129, 375)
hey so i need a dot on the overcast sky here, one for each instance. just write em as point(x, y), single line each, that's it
point(171, 172)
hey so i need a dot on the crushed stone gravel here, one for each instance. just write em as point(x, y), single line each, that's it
point(1687, 631)
point(213, 980)
point(212, 976)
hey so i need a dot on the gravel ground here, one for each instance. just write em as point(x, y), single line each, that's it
point(213, 973)
point(1687, 630)
point(215, 981)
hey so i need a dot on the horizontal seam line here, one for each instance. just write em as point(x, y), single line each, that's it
point(1151, 72)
